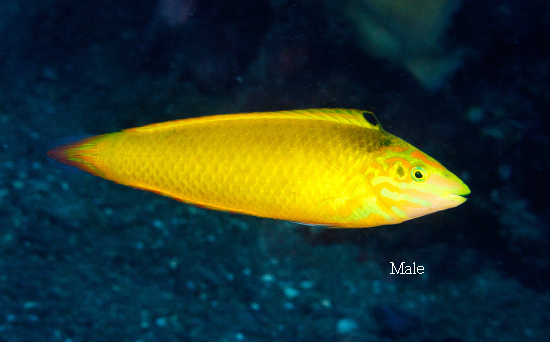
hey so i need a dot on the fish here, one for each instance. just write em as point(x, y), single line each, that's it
point(329, 167)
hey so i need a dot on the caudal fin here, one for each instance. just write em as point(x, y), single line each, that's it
point(78, 152)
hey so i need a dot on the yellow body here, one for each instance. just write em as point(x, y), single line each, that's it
point(321, 166)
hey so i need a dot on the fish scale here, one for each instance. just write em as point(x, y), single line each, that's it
point(310, 166)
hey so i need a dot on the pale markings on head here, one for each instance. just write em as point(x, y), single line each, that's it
point(400, 213)
point(416, 200)
point(394, 196)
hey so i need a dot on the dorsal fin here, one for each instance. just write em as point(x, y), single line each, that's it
point(346, 116)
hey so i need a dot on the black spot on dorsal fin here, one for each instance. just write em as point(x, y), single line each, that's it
point(372, 119)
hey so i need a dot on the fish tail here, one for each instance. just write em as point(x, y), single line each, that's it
point(78, 152)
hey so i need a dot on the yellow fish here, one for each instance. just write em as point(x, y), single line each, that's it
point(333, 167)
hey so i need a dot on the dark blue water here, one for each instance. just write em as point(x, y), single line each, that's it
point(83, 259)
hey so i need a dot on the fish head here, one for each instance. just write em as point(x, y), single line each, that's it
point(409, 183)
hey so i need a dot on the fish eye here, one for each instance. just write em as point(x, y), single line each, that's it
point(419, 174)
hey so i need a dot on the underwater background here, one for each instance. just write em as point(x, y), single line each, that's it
point(84, 259)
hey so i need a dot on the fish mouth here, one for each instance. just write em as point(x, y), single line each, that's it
point(456, 199)
point(458, 196)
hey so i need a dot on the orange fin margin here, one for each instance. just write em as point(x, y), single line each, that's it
point(77, 153)
point(345, 116)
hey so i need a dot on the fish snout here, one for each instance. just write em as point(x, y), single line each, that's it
point(456, 196)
